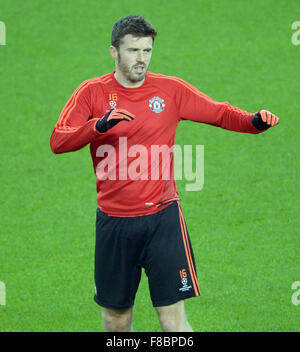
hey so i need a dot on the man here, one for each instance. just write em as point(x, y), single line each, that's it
point(123, 115)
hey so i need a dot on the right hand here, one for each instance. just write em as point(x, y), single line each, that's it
point(113, 117)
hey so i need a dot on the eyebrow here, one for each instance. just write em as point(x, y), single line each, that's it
point(134, 48)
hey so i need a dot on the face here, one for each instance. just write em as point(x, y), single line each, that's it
point(132, 59)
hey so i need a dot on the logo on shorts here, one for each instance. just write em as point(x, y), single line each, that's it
point(157, 104)
point(184, 281)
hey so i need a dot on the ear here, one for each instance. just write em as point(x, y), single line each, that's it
point(113, 52)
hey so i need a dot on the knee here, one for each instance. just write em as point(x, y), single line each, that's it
point(169, 323)
point(117, 320)
point(173, 318)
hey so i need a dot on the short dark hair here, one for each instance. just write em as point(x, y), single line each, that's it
point(135, 25)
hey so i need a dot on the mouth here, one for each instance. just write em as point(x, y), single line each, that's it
point(139, 69)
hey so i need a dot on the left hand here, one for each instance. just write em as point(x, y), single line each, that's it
point(269, 118)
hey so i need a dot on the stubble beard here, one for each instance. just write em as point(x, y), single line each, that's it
point(128, 72)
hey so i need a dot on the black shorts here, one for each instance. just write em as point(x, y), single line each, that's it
point(159, 243)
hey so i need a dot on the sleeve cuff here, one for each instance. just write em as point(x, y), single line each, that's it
point(258, 123)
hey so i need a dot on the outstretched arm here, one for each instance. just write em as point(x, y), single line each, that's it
point(196, 106)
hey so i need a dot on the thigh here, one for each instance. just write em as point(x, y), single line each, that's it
point(117, 269)
point(170, 264)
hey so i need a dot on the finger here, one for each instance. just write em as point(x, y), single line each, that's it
point(119, 117)
point(263, 115)
point(108, 113)
point(126, 118)
point(125, 112)
point(130, 116)
point(269, 118)
point(276, 122)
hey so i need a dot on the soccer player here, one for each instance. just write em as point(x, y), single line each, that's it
point(124, 115)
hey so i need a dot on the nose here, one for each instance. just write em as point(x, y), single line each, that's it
point(140, 56)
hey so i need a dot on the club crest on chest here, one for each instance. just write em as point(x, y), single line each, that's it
point(156, 104)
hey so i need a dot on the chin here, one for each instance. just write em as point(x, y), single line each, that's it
point(134, 78)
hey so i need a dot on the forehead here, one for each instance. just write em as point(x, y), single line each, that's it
point(136, 42)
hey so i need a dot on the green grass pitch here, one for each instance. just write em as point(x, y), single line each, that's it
point(244, 223)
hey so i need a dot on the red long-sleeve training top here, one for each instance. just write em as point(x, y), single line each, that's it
point(131, 181)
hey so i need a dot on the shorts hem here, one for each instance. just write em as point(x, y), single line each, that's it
point(167, 302)
point(111, 306)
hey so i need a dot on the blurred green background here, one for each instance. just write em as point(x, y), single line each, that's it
point(244, 223)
